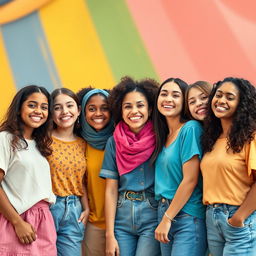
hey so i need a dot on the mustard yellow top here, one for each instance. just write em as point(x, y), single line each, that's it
point(68, 165)
point(95, 186)
point(227, 176)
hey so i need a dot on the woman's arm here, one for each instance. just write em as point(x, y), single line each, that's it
point(85, 204)
point(247, 207)
point(112, 248)
point(190, 171)
point(24, 231)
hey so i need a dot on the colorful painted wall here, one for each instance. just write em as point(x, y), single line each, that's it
point(95, 42)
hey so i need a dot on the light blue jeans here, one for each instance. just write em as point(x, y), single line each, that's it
point(226, 240)
point(135, 224)
point(66, 212)
point(187, 234)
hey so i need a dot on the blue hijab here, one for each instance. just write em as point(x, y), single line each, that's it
point(96, 139)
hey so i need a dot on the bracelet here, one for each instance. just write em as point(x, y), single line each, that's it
point(169, 218)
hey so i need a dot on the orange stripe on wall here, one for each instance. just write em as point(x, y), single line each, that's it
point(76, 49)
point(6, 79)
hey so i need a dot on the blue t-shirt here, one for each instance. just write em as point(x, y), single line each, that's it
point(169, 165)
point(141, 178)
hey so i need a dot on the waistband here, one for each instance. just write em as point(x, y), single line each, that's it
point(40, 204)
point(67, 198)
point(225, 207)
point(136, 195)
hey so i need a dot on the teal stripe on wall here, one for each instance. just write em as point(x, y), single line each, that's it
point(29, 54)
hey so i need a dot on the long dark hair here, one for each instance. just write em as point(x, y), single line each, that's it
point(72, 95)
point(13, 123)
point(159, 121)
point(243, 125)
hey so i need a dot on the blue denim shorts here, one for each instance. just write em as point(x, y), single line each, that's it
point(187, 234)
point(66, 212)
point(135, 224)
point(224, 239)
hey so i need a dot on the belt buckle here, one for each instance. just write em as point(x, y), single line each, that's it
point(131, 195)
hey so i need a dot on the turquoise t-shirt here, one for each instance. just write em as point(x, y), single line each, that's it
point(169, 167)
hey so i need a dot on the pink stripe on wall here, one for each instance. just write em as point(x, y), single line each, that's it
point(170, 57)
point(208, 39)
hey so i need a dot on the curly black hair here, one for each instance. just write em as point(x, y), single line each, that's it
point(148, 87)
point(244, 120)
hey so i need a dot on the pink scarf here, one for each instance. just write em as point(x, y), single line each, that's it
point(133, 149)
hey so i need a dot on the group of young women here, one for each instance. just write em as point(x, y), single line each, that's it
point(140, 170)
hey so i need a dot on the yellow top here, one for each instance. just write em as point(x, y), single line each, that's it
point(227, 176)
point(68, 166)
point(95, 186)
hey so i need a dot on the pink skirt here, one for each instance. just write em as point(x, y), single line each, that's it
point(39, 216)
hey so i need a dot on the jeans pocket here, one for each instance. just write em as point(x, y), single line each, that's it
point(78, 208)
point(231, 212)
point(152, 202)
point(231, 226)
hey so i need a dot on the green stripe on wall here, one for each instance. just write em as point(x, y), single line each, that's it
point(120, 39)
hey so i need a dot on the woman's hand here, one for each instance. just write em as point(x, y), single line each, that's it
point(162, 230)
point(112, 248)
point(25, 232)
point(84, 216)
point(239, 223)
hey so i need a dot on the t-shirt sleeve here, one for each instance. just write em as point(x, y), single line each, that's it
point(109, 167)
point(191, 141)
point(251, 162)
point(5, 151)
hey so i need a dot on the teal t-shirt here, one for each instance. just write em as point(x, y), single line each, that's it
point(169, 164)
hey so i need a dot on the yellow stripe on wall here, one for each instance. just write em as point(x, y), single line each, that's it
point(75, 46)
point(7, 84)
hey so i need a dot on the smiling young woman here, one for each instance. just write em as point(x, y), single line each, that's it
point(178, 185)
point(27, 227)
point(68, 171)
point(197, 96)
point(229, 168)
point(130, 206)
point(96, 127)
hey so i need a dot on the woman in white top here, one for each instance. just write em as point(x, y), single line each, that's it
point(26, 224)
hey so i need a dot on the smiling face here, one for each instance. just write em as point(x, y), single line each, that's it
point(135, 110)
point(197, 103)
point(34, 112)
point(97, 112)
point(170, 100)
point(225, 101)
point(65, 111)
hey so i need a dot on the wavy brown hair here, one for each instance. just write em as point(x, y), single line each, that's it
point(13, 123)
point(202, 86)
point(72, 95)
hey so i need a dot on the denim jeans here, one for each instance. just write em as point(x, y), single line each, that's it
point(135, 224)
point(66, 212)
point(187, 234)
point(224, 239)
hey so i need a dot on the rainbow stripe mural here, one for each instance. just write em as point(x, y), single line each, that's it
point(78, 43)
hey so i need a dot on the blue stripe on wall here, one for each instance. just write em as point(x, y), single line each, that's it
point(28, 52)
